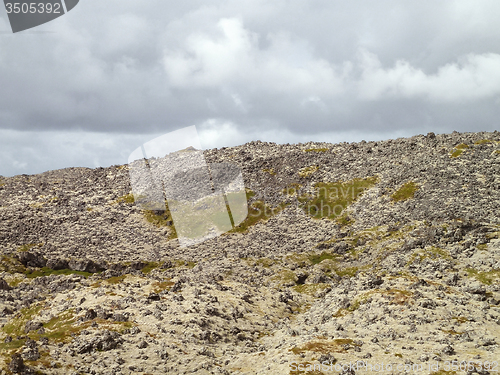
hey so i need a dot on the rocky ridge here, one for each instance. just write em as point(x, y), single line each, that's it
point(407, 273)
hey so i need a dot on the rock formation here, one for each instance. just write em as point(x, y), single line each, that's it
point(372, 252)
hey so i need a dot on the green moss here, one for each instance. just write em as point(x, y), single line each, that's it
point(482, 246)
point(11, 265)
point(160, 286)
point(331, 198)
point(353, 307)
point(292, 189)
point(347, 271)
point(257, 211)
point(116, 279)
point(10, 346)
point(318, 258)
point(316, 149)
point(308, 171)
point(285, 278)
point(345, 220)
point(44, 271)
point(270, 171)
point(497, 152)
point(458, 150)
point(15, 327)
point(399, 355)
point(483, 141)
point(395, 296)
point(62, 327)
point(264, 262)
point(405, 192)
point(161, 220)
point(158, 220)
point(484, 277)
point(128, 198)
point(460, 319)
point(428, 253)
point(149, 267)
point(28, 246)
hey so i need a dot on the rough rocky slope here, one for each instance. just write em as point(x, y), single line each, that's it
point(402, 268)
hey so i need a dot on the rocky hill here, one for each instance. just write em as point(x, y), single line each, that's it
point(385, 253)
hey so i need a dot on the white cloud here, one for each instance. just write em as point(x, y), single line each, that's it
point(234, 58)
point(473, 77)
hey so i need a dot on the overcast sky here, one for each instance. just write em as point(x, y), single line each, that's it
point(88, 88)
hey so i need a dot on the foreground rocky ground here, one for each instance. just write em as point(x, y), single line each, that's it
point(407, 274)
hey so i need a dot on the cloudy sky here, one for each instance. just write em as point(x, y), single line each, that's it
point(88, 88)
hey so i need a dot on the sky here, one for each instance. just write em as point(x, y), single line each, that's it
point(90, 87)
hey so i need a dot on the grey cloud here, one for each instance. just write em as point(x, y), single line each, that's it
point(283, 70)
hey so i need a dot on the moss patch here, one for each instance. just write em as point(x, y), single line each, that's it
point(307, 172)
point(346, 271)
point(11, 265)
point(116, 279)
point(318, 258)
point(127, 198)
point(405, 192)
point(161, 219)
point(49, 271)
point(29, 246)
point(345, 220)
point(483, 142)
point(394, 296)
point(160, 286)
point(263, 262)
point(432, 253)
point(285, 278)
point(15, 327)
point(270, 171)
point(458, 150)
point(257, 211)
point(149, 267)
point(460, 319)
point(484, 277)
point(64, 326)
point(292, 189)
point(331, 198)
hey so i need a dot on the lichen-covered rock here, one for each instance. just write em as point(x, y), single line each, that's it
point(402, 275)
